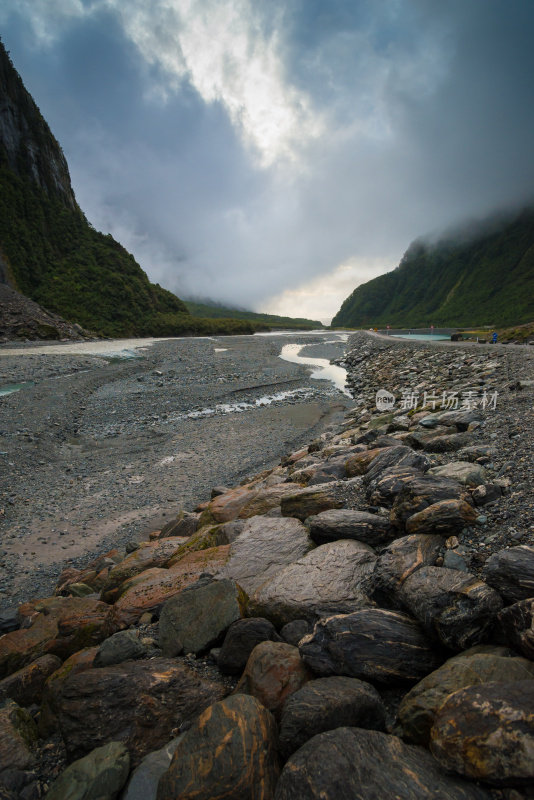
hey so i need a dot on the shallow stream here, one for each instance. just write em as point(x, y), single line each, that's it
point(322, 370)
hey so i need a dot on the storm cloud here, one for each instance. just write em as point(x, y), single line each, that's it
point(275, 155)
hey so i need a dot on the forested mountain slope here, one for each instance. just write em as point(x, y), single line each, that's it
point(471, 277)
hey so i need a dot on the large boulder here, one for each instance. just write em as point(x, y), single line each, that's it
point(382, 490)
point(461, 420)
point(482, 453)
point(273, 672)
point(447, 517)
point(419, 438)
point(152, 588)
point(399, 456)
point(241, 639)
point(482, 664)
point(18, 737)
point(326, 704)
point(26, 685)
point(421, 491)
point(341, 523)
point(148, 554)
point(511, 572)
point(61, 628)
point(207, 537)
point(228, 506)
point(247, 501)
point(517, 626)
point(198, 617)
point(464, 472)
point(139, 703)
point(93, 575)
point(357, 764)
point(100, 775)
point(447, 443)
point(229, 753)
point(455, 607)
point(264, 547)
point(184, 525)
point(307, 502)
point(371, 644)
point(328, 580)
point(359, 463)
point(487, 733)
point(331, 470)
point(266, 500)
point(78, 662)
point(397, 562)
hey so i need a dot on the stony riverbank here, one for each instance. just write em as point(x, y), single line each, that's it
point(102, 449)
point(354, 622)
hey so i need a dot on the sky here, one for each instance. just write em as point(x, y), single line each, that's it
point(274, 155)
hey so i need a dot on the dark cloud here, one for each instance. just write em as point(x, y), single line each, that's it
point(248, 150)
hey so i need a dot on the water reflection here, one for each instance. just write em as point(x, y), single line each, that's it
point(9, 388)
point(324, 370)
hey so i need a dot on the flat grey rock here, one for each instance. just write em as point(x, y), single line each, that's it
point(100, 774)
point(122, 646)
point(143, 782)
point(263, 548)
point(328, 580)
point(462, 471)
point(197, 618)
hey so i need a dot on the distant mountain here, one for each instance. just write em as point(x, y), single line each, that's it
point(50, 253)
point(215, 310)
point(479, 275)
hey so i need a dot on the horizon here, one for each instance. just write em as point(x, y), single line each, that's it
point(281, 155)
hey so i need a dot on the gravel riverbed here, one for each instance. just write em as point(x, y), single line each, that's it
point(504, 374)
point(101, 450)
point(418, 496)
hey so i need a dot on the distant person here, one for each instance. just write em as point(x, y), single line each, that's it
point(494, 337)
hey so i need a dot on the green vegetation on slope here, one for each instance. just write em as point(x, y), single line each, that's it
point(54, 256)
point(217, 311)
point(486, 280)
point(61, 262)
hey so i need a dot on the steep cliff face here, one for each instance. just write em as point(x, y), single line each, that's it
point(29, 147)
point(48, 250)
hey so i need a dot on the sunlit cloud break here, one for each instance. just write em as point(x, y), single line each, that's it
point(220, 47)
point(224, 51)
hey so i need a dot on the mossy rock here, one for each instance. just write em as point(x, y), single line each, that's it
point(204, 539)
